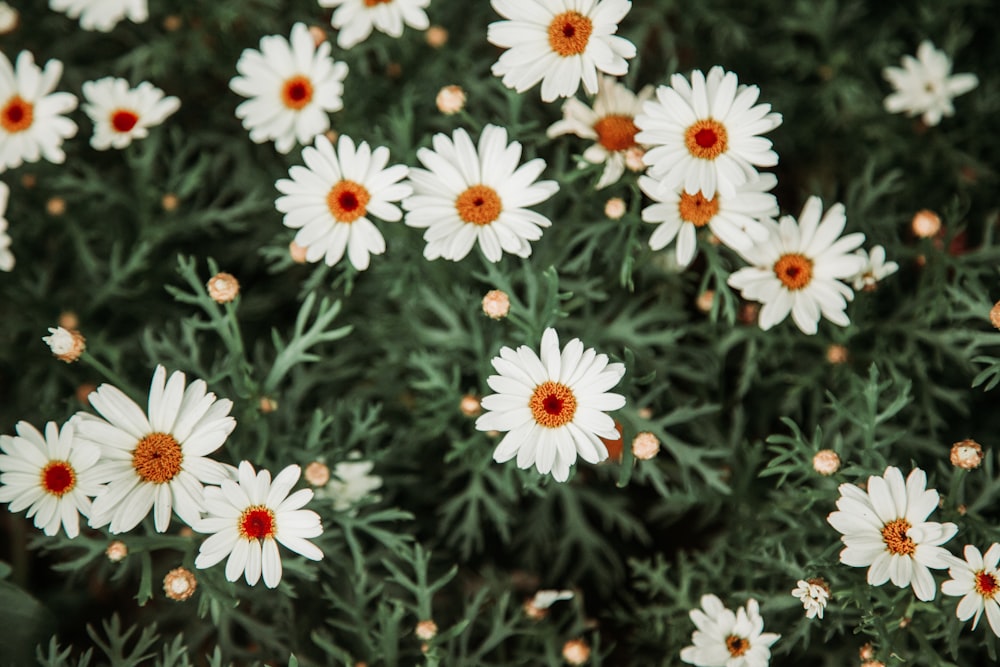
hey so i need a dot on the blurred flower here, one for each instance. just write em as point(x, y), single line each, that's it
point(826, 462)
point(158, 462)
point(223, 287)
point(450, 100)
point(121, 114)
point(267, 405)
point(610, 123)
point(814, 594)
point(797, 269)
point(351, 483)
point(734, 219)
point(552, 406)
point(645, 446)
point(437, 36)
point(994, 311)
point(52, 475)
point(967, 454)
point(116, 551)
point(426, 630)
point(293, 85)
point(355, 19)
point(317, 473)
point(703, 134)
point(470, 406)
point(837, 354)
point(725, 639)
point(467, 195)
point(248, 519)
point(537, 607)
point(7, 260)
point(977, 579)
point(67, 345)
point(924, 85)
point(705, 300)
point(552, 41)
point(866, 652)
point(874, 270)
point(31, 124)
point(170, 202)
point(925, 224)
point(102, 15)
point(55, 206)
point(886, 529)
point(9, 18)
point(576, 652)
point(318, 34)
point(179, 584)
point(329, 200)
point(615, 208)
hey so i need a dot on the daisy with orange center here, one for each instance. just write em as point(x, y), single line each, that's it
point(727, 639)
point(157, 460)
point(356, 19)
point(468, 195)
point(292, 86)
point(886, 530)
point(703, 134)
point(53, 476)
point(31, 122)
point(735, 220)
point(610, 124)
point(249, 518)
point(121, 114)
point(553, 406)
point(800, 267)
point(977, 580)
point(560, 43)
point(330, 199)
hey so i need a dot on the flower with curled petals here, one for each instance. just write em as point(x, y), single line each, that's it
point(248, 519)
point(157, 462)
point(725, 639)
point(886, 530)
point(977, 580)
point(552, 406)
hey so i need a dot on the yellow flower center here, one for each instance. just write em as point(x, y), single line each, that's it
point(569, 33)
point(479, 204)
point(552, 404)
point(157, 458)
point(348, 201)
point(794, 270)
point(696, 209)
point(737, 646)
point(17, 115)
point(706, 139)
point(616, 132)
point(895, 538)
point(297, 92)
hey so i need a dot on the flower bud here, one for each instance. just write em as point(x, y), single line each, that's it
point(496, 304)
point(116, 551)
point(826, 462)
point(967, 454)
point(437, 36)
point(926, 224)
point(470, 406)
point(450, 100)
point(317, 473)
point(576, 652)
point(645, 446)
point(179, 584)
point(615, 208)
point(426, 630)
point(223, 287)
point(65, 344)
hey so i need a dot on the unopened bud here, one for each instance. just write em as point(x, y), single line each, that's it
point(926, 224)
point(437, 36)
point(967, 454)
point(116, 551)
point(615, 208)
point(179, 584)
point(576, 652)
point(450, 100)
point(223, 287)
point(645, 446)
point(826, 462)
point(426, 630)
point(496, 304)
point(470, 406)
point(317, 473)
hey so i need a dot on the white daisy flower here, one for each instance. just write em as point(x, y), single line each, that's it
point(734, 220)
point(292, 86)
point(610, 123)
point(248, 519)
point(560, 43)
point(886, 529)
point(814, 594)
point(553, 406)
point(925, 85)
point(704, 134)
point(355, 19)
point(725, 639)
point(157, 462)
point(53, 476)
point(329, 200)
point(121, 114)
point(977, 579)
point(874, 270)
point(352, 482)
point(798, 269)
point(466, 196)
point(6, 256)
point(31, 124)
point(102, 15)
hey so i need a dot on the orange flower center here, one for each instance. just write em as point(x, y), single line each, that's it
point(297, 92)
point(372, 3)
point(257, 523)
point(737, 645)
point(58, 478)
point(124, 120)
point(987, 584)
point(794, 270)
point(348, 201)
point(569, 33)
point(696, 209)
point(479, 205)
point(895, 538)
point(706, 139)
point(552, 404)
point(616, 132)
point(17, 115)
point(157, 458)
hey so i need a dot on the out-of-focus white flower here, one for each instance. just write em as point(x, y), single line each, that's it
point(925, 85)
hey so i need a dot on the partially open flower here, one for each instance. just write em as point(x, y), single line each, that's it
point(496, 304)
point(826, 462)
point(179, 584)
point(576, 652)
point(223, 287)
point(967, 454)
point(67, 345)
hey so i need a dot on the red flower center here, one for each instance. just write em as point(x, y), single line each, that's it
point(552, 404)
point(257, 523)
point(706, 139)
point(987, 584)
point(58, 478)
point(348, 201)
point(124, 120)
point(17, 115)
point(297, 92)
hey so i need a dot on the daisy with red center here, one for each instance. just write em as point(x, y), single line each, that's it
point(977, 580)
point(465, 196)
point(52, 475)
point(735, 220)
point(248, 519)
point(121, 114)
point(799, 269)
point(102, 15)
point(560, 43)
point(329, 200)
point(355, 19)
point(31, 122)
point(703, 135)
point(886, 530)
point(610, 123)
point(552, 406)
point(157, 462)
point(725, 639)
point(292, 86)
